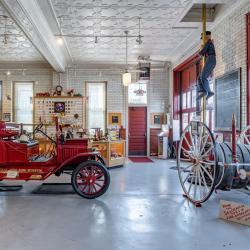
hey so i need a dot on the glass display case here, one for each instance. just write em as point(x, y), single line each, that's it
point(112, 151)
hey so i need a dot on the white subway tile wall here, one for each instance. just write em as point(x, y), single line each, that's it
point(231, 47)
point(44, 80)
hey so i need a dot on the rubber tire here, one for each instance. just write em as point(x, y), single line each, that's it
point(104, 170)
point(219, 170)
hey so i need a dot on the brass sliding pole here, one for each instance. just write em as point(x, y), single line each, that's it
point(204, 28)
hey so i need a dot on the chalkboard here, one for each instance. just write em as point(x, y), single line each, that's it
point(227, 100)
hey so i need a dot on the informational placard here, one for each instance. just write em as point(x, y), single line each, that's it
point(235, 212)
point(227, 100)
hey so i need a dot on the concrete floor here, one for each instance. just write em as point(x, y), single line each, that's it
point(143, 209)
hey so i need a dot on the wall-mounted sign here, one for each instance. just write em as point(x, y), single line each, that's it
point(59, 107)
point(145, 71)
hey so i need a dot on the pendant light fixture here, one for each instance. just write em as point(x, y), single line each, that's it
point(60, 40)
point(5, 35)
point(126, 77)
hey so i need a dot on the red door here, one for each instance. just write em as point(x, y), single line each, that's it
point(137, 136)
point(248, 68)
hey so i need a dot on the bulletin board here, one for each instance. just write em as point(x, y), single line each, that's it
point(228, 100)
point(45, 108)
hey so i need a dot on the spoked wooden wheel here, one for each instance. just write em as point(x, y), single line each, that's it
point(90, 179)
point(197, 162)
point(244, 137)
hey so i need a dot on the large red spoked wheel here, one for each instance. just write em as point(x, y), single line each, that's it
point(197, 162)
point(90, 179)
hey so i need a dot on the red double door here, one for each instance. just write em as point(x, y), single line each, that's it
point(137, 136)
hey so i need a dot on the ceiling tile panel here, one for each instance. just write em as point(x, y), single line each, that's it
point(15, 46)
point(113, 17)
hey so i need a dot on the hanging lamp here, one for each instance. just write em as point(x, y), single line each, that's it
point(126, 77)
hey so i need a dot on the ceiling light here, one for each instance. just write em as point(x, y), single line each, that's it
point(60, 40)
point(126, 77)
point(8, 73)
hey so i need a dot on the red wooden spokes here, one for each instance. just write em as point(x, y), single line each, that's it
point(90, 179)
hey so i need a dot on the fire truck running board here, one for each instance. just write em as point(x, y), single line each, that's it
point(6, 188)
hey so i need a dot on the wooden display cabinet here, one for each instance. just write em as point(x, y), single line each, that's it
point(112, 151)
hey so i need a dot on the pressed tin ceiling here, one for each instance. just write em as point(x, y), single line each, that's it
point(17, 47)
point(98, 25)
point(113, 17)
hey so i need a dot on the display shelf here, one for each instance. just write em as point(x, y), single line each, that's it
point(64, 107)
point(112, 151)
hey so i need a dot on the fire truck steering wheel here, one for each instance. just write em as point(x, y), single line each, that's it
point(38, 128)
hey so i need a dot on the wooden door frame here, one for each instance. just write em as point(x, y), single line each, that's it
point(147, 127)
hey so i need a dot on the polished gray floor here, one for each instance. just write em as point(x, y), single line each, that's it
point(143, 209)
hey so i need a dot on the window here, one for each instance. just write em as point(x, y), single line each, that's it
point(1, 100)
point(23, 106)
point(184, 100)
point(137, 93)
point(96, 108)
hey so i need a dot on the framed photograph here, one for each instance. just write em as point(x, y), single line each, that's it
point(114, 119)
point(6, 117)
point(156, 118)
